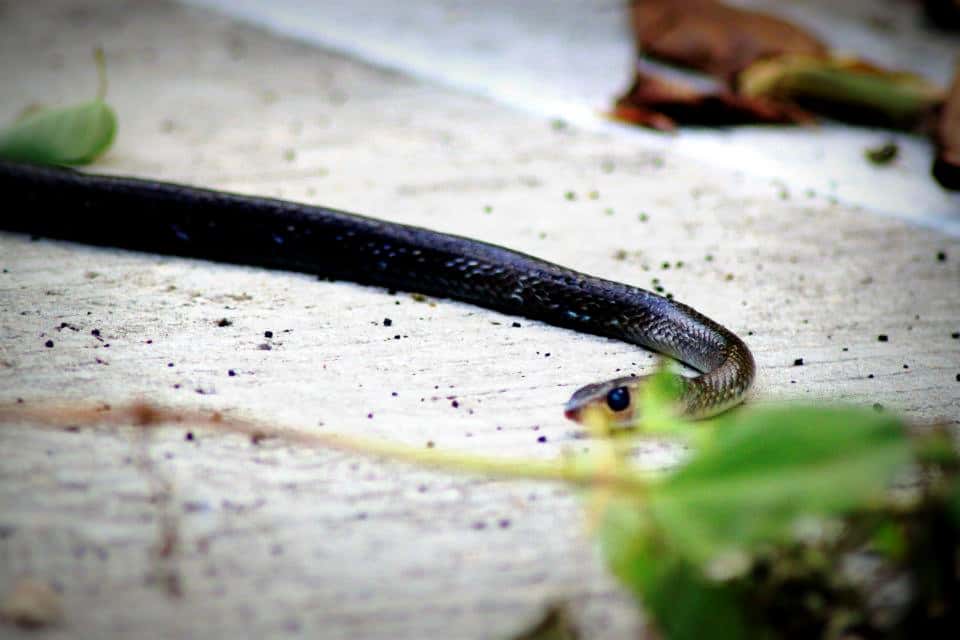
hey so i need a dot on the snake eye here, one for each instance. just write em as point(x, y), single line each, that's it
point(618, 399)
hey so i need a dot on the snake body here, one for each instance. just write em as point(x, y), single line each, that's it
point(173, 219)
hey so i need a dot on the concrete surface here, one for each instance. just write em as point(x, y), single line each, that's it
point(570, 59)
point(274, 539)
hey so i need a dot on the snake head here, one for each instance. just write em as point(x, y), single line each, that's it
point(615, 399)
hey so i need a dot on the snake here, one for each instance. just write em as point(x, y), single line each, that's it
point(174, 219)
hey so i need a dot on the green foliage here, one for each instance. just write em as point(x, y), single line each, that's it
point(680, 597)
point(68, 135)
point(768, 469)
point(840, 85)
point(954, 504)
point(762, 480)
point(657, 408)
point(76, 134)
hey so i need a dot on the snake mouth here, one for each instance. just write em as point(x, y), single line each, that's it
point(573, 410)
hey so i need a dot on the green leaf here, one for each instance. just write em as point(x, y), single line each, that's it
point(889, 539)
point(68, 135)
point(843, 85)
point(683, 602)
point(766, 471)
point(953, 503)
point(657, 402)
point(677, 545)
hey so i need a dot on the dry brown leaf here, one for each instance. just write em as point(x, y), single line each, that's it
point(713, 37)
point(946, 168)
point(660, 103)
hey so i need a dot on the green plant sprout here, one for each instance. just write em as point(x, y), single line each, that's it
point(72, 135)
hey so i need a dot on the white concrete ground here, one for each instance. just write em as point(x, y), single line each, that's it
point(274, 539)
point(569, 59)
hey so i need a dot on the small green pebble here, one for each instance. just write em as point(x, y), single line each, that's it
point(884, 154)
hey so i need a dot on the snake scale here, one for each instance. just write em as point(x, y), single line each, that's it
point(173, 219)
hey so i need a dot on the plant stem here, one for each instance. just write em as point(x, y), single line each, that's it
point(568, 469)
point(577, 470)
point(100, 60)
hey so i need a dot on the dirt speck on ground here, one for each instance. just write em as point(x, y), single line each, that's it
point(31, 603)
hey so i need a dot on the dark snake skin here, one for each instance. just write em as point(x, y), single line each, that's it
point(157, 217)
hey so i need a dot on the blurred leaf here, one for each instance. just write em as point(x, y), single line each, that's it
point(845, 87)
point(953, 503)
point(657, 410)
point(946, 167)
point(68, 135)
point(679, 544)
point(768, 470)
point(662, 103)
point(889, 540)
point(676, 592)
point(714, 36)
